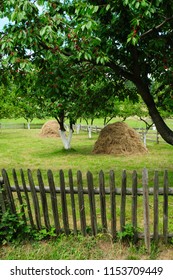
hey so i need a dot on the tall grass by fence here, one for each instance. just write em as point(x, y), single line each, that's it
point(81, 204)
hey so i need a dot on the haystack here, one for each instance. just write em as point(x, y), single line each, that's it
point(50, 129)
point(118, 138)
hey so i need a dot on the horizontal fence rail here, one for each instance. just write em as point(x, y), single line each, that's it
point(20, 126)
point(146, 135)
point(89, 205)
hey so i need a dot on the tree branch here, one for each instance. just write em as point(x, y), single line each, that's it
point(120, 71)
point(155, 28)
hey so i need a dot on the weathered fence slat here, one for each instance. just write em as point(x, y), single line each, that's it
point(71, 185)
point(81, 203)
point(35, 200)
point(22, 210)
point(92, 203)
point(27, 199)
point(146, 209)
point(9, 195)
point(2, 196)
point(102, 201)
point(112, 203)
point(64, 203)
point(54, 201)
point(156, 208)
point(165, 207)
point(43, 200)
point(134, 204)
point(123, 201)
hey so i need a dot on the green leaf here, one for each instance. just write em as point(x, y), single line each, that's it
point(137, 5)
point(3, 46)
point(98, 60)
point(13, 16)
point(95, 9)
point(126, 2)
point(77, 11)
point(129, 39)
point(83, 27)
point(43, 31)
point(108, 7)
point(89, 24)
point(134, 41)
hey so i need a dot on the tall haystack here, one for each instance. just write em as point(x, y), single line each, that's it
point(118, 138)
point(50, 129)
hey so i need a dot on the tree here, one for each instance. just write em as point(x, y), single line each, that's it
point(131, 39)
point(135, 41)
point(7, 101)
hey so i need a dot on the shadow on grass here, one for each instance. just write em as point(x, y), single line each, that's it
point(63, 152)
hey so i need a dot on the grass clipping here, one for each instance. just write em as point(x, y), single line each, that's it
point(50, 129)
point(117, 139)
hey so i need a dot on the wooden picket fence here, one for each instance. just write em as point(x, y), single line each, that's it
point(77, 204)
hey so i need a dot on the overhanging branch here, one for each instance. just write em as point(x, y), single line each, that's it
point(155, 28)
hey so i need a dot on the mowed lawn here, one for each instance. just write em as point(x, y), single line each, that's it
point(26, 149)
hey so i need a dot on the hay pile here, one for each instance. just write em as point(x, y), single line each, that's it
point(117, 139)
point(50, 129)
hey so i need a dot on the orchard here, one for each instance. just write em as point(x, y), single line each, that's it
point(82, 54)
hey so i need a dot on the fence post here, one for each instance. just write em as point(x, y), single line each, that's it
point(27, 199)
point(8, 191)
point(123, 201)
point(81, 202)
point(71, 185)
point(35, 200)
point(156, 218)
point(64, 203)
point(22, 210)
point(165, 207)
point(157, 137)
point(146, 209)
point(43, 199)
point(113, 203)
point(134, 204)
point(92, 203)
point(54, 201)
point(102, 201)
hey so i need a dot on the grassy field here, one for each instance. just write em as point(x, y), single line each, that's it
point(27, 149)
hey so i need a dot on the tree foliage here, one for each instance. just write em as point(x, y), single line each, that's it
point(126, 40)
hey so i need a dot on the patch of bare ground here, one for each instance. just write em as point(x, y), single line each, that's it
point(126, 251)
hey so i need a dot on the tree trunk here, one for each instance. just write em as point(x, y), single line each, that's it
point(163, 129)
point(89, 131)
point(66, 139)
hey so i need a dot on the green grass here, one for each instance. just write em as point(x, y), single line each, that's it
point(78, 247)
point(27, 149)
